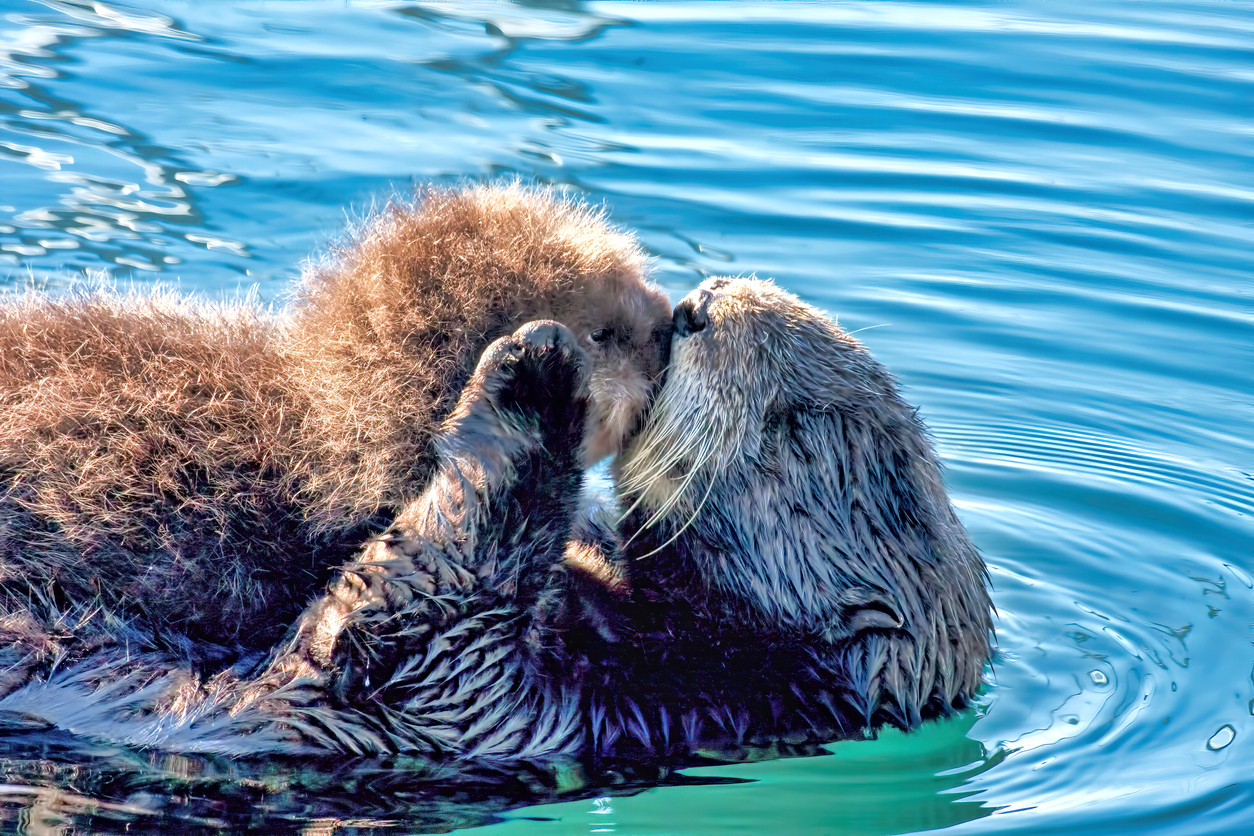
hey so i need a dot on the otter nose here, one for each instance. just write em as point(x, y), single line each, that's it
point(691, 315)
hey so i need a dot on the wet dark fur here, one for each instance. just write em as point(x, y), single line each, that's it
point(433, 641)
point(185, 475)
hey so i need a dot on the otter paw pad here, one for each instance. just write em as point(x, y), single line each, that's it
point(539, 370)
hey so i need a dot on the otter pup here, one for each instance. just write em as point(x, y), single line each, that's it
point(193, 472)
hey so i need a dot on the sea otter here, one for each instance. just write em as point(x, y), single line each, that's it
point(185, 475)
point(796, 574)
point(797, 570)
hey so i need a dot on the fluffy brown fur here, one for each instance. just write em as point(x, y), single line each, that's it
point(388, 330)
point(428, 642)
point(197, 469)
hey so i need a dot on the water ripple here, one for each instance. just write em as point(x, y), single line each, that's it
point(1037, 214)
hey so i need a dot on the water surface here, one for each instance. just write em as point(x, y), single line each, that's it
point(1039, 214)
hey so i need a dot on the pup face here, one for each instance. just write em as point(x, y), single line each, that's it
point(625, 327)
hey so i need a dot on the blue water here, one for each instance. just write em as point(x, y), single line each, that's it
point(1040, 214)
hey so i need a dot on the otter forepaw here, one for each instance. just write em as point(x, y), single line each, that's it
point(538, 371)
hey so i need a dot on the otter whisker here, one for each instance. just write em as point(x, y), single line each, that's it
point(670, 429)
point(703, 457)
point(678, 434)
point(867, 328)
point(629, 509)
point(658, 433)
point(666, 505)
point(657, 470)
point(691, 519)
point(658, 467)
point(663, 464)
point(705, 454)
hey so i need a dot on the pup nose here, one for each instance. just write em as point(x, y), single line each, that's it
point(690, 314)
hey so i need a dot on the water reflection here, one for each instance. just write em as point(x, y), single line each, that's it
point(50, 783)
point(53, 784)
point(897, 784)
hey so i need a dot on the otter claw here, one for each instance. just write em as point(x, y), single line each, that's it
point(540, 373)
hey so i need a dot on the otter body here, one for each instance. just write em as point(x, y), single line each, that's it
point(187, 475)
point(795, 574)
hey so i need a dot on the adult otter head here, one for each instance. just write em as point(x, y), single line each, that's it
point(783, 486)
point(387, 328)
